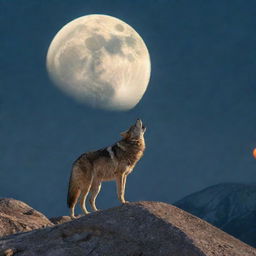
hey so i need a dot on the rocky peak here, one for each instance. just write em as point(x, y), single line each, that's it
point(133, 229)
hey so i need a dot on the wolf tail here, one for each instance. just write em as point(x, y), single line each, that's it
point(73, 192)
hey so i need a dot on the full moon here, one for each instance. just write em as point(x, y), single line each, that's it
point(101, 61)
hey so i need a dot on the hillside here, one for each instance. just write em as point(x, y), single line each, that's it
point(229, 206)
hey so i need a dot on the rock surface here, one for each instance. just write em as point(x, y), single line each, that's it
point(60, 219)
point(228, 206)
point(16, 216)
point(133, 229)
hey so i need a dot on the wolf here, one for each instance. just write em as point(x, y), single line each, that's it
point(111, 163)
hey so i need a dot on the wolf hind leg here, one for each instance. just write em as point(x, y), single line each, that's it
point(74, 202)
point(95, 189)
point(84, 193)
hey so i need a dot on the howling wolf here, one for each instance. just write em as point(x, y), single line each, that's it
point(111, 163)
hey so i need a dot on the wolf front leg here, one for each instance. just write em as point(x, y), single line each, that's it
point(124, 184)
point(120, 187)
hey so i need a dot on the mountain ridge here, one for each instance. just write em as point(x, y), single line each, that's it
point(228, 206)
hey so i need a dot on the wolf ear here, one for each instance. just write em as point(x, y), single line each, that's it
point(124, 134)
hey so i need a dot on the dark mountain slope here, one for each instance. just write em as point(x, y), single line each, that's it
point(229, 206)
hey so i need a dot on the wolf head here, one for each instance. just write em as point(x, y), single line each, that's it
point(135, 132)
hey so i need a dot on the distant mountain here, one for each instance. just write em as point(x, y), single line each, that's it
point(229, 206)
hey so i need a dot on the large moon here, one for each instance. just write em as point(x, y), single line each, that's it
point(101, 61)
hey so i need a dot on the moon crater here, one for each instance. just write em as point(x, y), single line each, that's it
point(95, 43)
point(119, 27)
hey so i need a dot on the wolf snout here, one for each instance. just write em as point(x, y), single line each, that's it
point(139, 122)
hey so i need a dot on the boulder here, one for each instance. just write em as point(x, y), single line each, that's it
point(60, 219)
point(133, 229)
point(16, 216)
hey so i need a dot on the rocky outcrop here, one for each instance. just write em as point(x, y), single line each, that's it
point(60, 219)
point(228, 206)
point(16, 216)
point(133, 229)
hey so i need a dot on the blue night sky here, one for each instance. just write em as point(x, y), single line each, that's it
point(199, 108)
